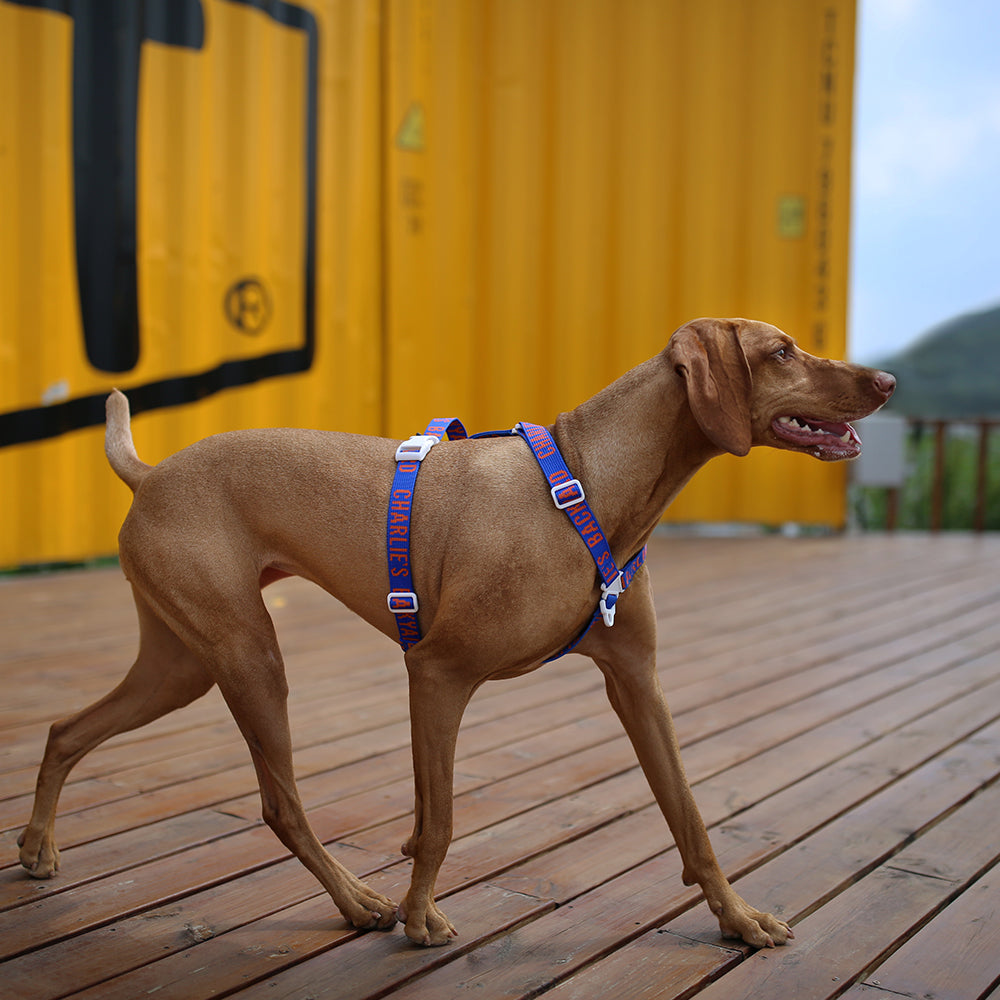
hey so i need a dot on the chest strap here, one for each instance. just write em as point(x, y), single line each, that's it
point(567, 494)
point(402, 597)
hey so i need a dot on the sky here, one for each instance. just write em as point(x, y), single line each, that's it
point(926, 185)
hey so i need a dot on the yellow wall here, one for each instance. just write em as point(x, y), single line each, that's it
point(514, 201)
point(592, 175)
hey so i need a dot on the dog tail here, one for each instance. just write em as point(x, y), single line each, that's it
point(118, 444)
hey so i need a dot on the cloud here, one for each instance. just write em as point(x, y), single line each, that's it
point(891, 14)
point(928, 97)
point(924, 146)
point(926, 163)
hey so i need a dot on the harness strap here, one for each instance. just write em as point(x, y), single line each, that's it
point(402, 597)
point(567, 494)
point(631, 568)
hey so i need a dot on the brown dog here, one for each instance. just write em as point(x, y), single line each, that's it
point(503, 579)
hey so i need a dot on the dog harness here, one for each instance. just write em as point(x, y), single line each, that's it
point(567, 494)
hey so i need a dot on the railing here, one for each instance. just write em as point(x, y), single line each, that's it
point(938, 471)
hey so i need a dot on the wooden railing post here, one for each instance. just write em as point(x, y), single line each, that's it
point(938, 484)
point(937, 488)
point(979, 521)
point(892, 508)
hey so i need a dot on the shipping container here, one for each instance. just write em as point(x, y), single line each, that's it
point(361, 214)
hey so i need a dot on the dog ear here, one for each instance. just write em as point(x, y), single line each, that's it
point(709, 356)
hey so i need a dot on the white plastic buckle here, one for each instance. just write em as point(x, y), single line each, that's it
point(415, 449)
point(576, 494)
point(613, 591)
point(403, 602)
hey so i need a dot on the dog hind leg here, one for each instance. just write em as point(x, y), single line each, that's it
point(165, 676)
point(247, 665)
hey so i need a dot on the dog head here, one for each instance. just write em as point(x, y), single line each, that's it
point(749, 384)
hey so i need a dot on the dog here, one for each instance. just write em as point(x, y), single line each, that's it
point(504, 582)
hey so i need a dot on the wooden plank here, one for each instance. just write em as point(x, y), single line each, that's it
point(968, 931)
point(156, 883)
point(134, 848)
point(879, 686)
point(779, 654)
point(68, 610)
point(342, 964)
point(89, 958)
point(640, 788)
point(237, 749)
point(823, 667)
point(631, 785)
point(659, 965)
point(81, 863)
point(704, 575)
point(153, 805)
point(594, 925)
point(873, 916)
point(757, 680)
point(881, 735)
point(532, 712)
point(835, 735)
point(254, 847)
point(840, 784)
point(512, 970)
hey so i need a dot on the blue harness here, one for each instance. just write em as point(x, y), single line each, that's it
point(567, 494)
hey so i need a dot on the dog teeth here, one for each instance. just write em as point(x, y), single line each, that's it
point(794, 423)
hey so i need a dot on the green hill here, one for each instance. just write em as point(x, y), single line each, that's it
point(952, 371)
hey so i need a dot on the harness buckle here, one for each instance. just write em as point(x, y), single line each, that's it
point(567, 494)
point(610, 592)
point(403, 602)
point(415, 449)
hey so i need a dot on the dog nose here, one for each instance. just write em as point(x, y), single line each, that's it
point(885, 383)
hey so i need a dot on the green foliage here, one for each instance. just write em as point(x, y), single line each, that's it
point(869, 506)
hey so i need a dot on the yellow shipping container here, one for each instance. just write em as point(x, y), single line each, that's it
point(358, 214)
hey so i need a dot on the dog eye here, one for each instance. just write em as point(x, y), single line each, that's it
point(782, 353)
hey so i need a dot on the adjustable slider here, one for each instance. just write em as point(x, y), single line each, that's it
point(403, 602)
point(415, 449)
point(567, 494)
point(609, 598)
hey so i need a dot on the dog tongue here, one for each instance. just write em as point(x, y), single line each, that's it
point(837, 429)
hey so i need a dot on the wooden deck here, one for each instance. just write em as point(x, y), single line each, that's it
point(839, 705)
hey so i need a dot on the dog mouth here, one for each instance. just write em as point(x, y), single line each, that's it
point(829, 440)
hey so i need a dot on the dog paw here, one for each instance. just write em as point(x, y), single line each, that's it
point(739, 920)
point(427, 926)
point(39, 854)
point(367, 910)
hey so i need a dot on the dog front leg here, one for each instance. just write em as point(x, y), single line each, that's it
point(437, 702)
point(636, 695)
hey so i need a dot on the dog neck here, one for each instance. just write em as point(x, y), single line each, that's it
point(634, 446)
